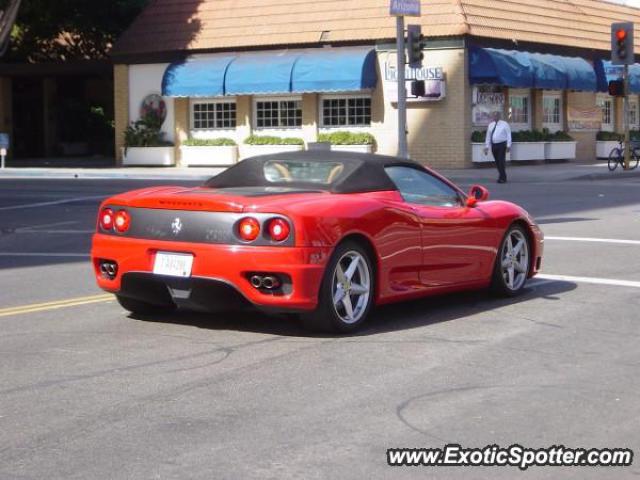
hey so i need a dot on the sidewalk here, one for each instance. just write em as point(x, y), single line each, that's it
point(542, 173)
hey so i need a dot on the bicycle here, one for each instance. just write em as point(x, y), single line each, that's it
point(616, 157)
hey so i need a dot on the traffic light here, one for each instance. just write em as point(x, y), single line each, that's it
point(622, 51)
point(616, 88)
point(414, 46)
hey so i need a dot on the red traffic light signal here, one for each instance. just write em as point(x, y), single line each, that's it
point(622, 43)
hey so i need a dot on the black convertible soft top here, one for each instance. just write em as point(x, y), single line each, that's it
point(361, 173)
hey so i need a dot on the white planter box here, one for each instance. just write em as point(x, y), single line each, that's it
point(603, 148)
point(478, 156)
point(149, 156)
point(352, 148)
point(208, 156)
point(247, 151)
point(560, 151)
point(524, 151)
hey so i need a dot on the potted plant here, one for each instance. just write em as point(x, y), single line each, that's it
point(559, 146)
point(349, 141)
point(477, 148)
point(211, 152)
point(265, 145)
point(605, 142)
point(527, 145)
point(145, 144)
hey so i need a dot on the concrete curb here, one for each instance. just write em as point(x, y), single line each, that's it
point(99, 174)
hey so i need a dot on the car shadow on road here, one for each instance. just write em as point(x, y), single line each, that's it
point(385, 319)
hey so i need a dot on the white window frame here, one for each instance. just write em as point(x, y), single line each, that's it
point(600, 101)
point(524, 93)
point(347, 97)
point(634, 122)
point(216, 101)
point(277, 99)
point(553, 126)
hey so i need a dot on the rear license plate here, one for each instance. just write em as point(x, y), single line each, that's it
point(173, 264)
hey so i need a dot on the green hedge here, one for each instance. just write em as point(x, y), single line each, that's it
point(478, 136)
point(347, 138)
point(269, 140)
point(213, 142)
point(528, 136)
point(608, 137)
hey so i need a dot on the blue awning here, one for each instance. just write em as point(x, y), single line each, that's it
point(335, 70)
point(531, 70)
point(261, 73)
point(500, 67)
point(614, 72)
point(196, 77)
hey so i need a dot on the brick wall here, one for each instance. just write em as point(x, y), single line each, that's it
point(183, 121)
point(439, 132)
point(121, 106)
point(586, 148)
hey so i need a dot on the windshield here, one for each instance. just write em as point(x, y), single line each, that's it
point(292, 171)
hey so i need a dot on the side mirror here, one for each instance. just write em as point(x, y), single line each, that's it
point(477, 193)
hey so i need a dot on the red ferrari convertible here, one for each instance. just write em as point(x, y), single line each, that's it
point(327, 235)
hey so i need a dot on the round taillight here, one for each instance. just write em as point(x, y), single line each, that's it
point(106, 219)
point(249, 229)
point(122, 221)
point(279, 230)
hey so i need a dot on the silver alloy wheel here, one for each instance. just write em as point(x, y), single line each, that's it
point(515, 260)
point(351, 287)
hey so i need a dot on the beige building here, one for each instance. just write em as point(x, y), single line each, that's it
point(221, 69)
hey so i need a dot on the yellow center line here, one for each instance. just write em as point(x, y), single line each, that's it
point(42, 307)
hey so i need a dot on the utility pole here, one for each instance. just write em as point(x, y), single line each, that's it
point(403, 148)
point(400, 9)
point(622, 53)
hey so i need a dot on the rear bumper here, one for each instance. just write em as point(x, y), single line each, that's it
point(218, 272)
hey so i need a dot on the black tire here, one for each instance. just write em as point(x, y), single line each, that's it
point(138, 307)
point(614, 159)
point(635, 159)
point(499, 283)
point(327, 318)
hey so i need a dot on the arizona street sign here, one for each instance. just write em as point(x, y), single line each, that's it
point(409, 8)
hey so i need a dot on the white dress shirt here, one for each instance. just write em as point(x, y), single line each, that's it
point(501, 133)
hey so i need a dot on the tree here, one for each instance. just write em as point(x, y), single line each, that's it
point(63, 30)
point(7, 21)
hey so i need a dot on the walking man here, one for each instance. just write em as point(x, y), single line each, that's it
point(499, 140)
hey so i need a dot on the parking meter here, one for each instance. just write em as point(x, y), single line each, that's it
point(4, 147)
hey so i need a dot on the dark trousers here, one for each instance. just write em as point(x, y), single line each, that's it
point(499, 151)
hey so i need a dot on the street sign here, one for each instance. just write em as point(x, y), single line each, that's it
point(408, 8)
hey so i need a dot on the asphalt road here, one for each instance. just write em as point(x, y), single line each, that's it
point(87, 392)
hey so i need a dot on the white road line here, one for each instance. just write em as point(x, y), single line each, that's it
point(41, 254)
point(592, 280)
point(593, 240)
point(49, 204)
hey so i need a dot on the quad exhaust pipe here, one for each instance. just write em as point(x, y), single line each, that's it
point(109, 269)
point(268, 282)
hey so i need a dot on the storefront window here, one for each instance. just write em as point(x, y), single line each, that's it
point(213, 115)
point(278, 113)
point(350, 111)
point(487, 101)
point(552, 111)
point(519, 109)
point(633, 112)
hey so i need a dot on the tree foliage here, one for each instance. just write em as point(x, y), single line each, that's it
point(61, 30)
